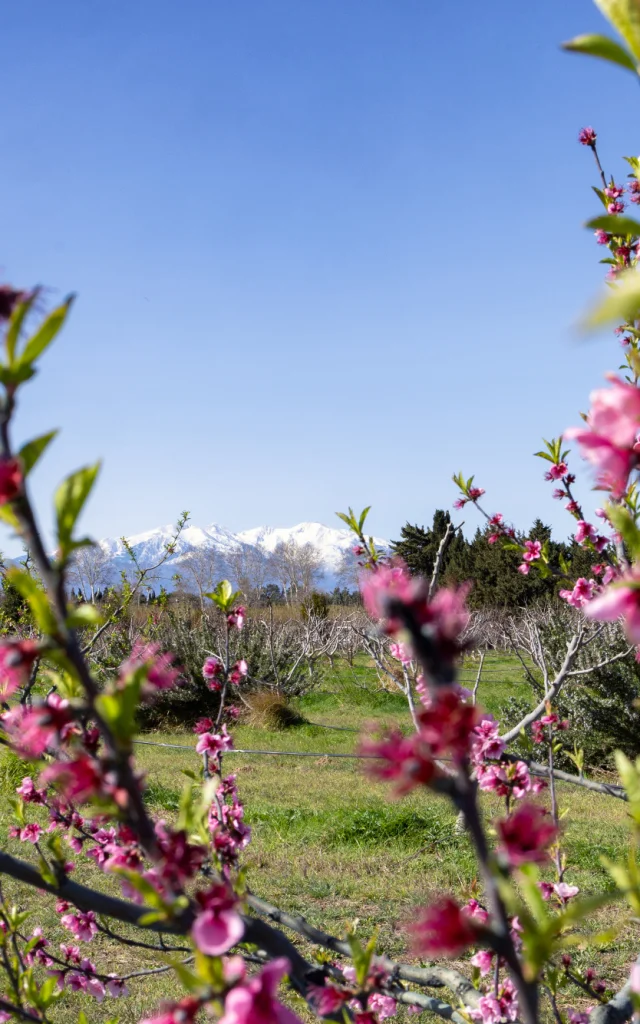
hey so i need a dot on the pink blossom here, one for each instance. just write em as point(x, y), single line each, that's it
point(581, 594)
point(447, 724)
point(400, 653)
point(383, 1006)
point(423, 692)
point(587, 136)
point(486, 742)
point(212, 668)
point(327, 999)
point(10, 479)
point(27, 790)
point(235, 619)
point(503, 1006)
point(558, 493)
point(612, 464)
point(602, 238)
point(526, 834)
point(620, 600)
point(459, 503)
point(213, 743)
point(158, 671)
point(96, 989)
point(71, 953)
point(614, 422)
point(446, 615)
point(475, 493)
point(405, 760)
point(218, 926)
point(389, 581)
point(509, 778)
point(557, 471)
point(30, 833)
point(254, 1001)
point(533, 550)
point(32, 730)
point(572, 506)
point(82, 925)
point(180, 858)
point(78, 780)
point(76, 981)
point(585, 531)
point(233, 969)
point(483, 960)
point(476, 911)
point(578, 1017)
point(116, 987)
point(443, 929)
point(565, 892)
point(183, 1012)
point(524, 569)
point(16, 658)
point(238, 672)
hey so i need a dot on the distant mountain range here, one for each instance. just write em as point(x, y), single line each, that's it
point(230, 549)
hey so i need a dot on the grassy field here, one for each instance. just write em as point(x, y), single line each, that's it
point(328, 843)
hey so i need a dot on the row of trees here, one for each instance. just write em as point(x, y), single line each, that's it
point(492, 568)
point(288, 574)
point(292, 572)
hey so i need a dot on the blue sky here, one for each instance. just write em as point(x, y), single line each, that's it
point(326, 252)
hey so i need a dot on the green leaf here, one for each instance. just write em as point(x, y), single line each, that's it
point(622, 302)
point(634, 164)
point(624, 15)
point(15, 325)
point(601, 46)
point(84, 615)
point(35, 597)
point(622, 520)
point(69, 501)
point(224, 596)
point(188, 979)
point(614, 225)
point(32, 450)
point(363, 516)
point(46, 871)
point(119, 708)
point(45, 334)
point(361, 957)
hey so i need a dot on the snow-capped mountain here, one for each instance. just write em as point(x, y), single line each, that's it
point(230, 550)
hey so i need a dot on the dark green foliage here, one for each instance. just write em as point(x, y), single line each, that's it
point(492, 568)
point(14, 608)
point(316, 605)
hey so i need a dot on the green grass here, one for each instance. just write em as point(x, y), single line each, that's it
point(328, 843)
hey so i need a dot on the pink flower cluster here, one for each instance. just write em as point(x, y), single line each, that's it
point(609, 439)
point(444, 617)
point(445, 727)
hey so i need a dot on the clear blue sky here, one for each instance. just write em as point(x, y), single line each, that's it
point(326, 252)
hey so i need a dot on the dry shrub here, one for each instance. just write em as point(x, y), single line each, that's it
point(268, 709)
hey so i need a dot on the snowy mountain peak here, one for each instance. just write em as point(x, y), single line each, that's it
point(330, 543)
